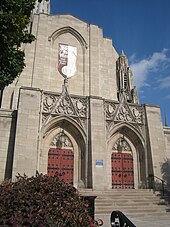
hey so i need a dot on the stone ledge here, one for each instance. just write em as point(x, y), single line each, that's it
point(7, 113)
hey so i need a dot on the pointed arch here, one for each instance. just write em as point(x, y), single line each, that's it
point(65, 122)
point(137, 144)
point(77, 138)
point(129, 130)
point(70, 30)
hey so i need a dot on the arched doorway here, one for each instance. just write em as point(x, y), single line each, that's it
point(61, 158)
point(122, 165)
point(72, 154)
point(131, 155)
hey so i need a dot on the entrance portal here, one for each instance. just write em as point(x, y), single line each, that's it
point(122, 170)
point(61, 161)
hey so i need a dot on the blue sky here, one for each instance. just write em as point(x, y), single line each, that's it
point(142, 29)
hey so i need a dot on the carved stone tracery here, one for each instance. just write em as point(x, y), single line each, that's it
point(109, 109)
point(48, 102)
point(138, 113)
point(124, 112)
point(65, 105)
point(117, 144)
point(67, 142)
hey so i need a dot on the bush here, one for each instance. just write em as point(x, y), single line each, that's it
point(41, 201)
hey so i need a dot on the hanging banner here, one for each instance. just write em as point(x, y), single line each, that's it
point(67, 57)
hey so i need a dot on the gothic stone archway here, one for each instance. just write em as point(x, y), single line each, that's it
point(74, 148)
point(122, 166)
point(136, 149)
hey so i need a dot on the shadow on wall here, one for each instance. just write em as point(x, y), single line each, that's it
point(11, 144)
point(165, 169)
point(162, 185)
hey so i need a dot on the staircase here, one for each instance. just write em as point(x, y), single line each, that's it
point(132, 202)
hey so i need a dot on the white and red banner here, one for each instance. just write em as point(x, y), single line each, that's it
point(67, 57)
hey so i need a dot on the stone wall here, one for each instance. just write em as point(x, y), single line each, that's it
point(7, 139)
point(155, 140)
point(167, 141)
point(166, 164)
point(96, 59)
point(27, 132)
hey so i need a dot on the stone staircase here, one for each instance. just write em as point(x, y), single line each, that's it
point(132, 202)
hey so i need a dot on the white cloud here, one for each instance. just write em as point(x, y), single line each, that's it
point(167, 97)
point(142, 68)
point(132, 58)
point(164, 82)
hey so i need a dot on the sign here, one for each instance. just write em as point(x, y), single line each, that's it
point(67, 57)
point(99, 163)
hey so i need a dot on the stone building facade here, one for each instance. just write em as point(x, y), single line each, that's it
point(75, 110)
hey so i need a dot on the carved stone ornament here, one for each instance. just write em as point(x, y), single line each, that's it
point(129, 113)
point(124, 112)
point(138, 113)
point(117, 145)
point(109, 108)
point(65, 105)
point(67, 142)
point(49, 102)
point(81, 106)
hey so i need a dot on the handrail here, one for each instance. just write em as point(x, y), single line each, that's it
point(163, 182)
point(161, 179)
point(123, 220)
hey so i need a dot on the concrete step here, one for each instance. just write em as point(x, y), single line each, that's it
point(130, 205)
point(115, 191)
point(103, 201)
point(141, 206)
point(129, 209)
point(131, 202)
point(119, 204)
point(127, 199)
point(125, 195)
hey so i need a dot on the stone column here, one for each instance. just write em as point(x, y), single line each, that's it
point(98, 143)
point(156, 141)
point(26, 146)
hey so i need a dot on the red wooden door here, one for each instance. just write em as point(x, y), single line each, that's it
point(122, 170)
point(61, 161)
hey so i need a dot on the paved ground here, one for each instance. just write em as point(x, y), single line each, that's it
point(143, 221)
point(158, 221)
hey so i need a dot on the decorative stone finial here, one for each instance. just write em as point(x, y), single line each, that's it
point(123, 54)
point(42, 6)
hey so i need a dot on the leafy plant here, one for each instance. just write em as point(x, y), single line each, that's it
point(41, 201)
point(14, 20)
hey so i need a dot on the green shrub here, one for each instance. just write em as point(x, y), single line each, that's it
point(41, 201)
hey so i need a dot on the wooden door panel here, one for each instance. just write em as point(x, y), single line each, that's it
point(122, 170)
point(62, 162)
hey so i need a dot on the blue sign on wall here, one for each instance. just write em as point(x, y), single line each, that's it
point(99, 163)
